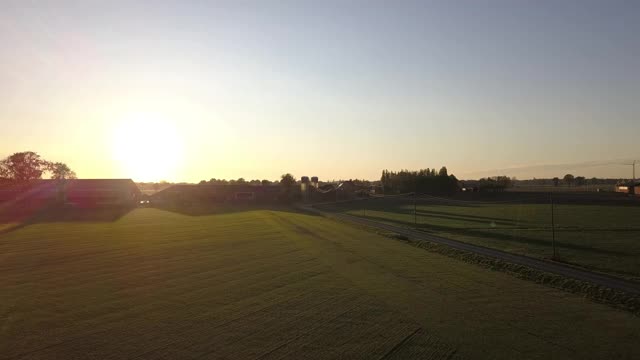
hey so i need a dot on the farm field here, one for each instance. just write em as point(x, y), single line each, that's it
point(273, 284)
point(600, 236)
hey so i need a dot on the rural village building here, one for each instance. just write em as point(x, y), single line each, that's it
point(629, 188)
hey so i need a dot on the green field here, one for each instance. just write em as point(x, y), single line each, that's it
point(272, 284)
point(601, 237)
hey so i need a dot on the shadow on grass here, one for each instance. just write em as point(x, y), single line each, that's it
point(461, 217)
point(204, 209)
point(53, 214)
point(407, 209)
point(494, 234)
point(19, 219)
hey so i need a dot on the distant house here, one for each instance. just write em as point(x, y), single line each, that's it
point(629, 188)
point(212, 193)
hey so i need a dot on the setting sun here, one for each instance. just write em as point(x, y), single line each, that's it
point(148, 147)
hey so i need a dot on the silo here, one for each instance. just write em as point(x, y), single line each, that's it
point(304, 188)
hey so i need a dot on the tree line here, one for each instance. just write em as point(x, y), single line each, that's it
point(569, 180)
point(239, 181)
point(287, 179)
point(286, 182)
point(426, 181)
point(29, 165)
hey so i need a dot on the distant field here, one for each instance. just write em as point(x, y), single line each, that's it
point(603, 235)
point(272, 284)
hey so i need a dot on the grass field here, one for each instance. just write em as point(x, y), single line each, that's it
point(605, 237)
point(272, 284)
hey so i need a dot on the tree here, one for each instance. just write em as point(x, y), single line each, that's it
point(423, 181)
point(60, 171)
point(4, 170)
point(443, 171)
point(287, 181)
point(26, 165)
point(265, 182)
point(556, 181)
point(495, 183)
point(568, 179)
point(580, 180)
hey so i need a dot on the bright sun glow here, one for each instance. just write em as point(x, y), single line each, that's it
point(147, 147)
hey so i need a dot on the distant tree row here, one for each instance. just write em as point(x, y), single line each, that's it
point(567, 180)
point(570, 180)
point(242, 181)
point(426, 181)
point(287, 182)
point(495, 183)
point(28, 165)
point(239, 181)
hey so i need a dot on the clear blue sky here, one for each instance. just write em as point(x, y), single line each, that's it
point(255, 89)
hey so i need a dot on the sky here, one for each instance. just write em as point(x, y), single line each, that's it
point(192, 90)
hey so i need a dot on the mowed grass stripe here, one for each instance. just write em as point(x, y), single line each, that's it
point(207, 315)
point(150, 244)
point(342, 263)
point(233, 337)
point(476, 301)
point(112, 315)
point(275, 284)
point(186, 282)
point(166, 334)
point(483, 310)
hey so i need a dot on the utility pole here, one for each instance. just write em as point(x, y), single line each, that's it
point(553, 227)
point(633, 181)
point(415, 210)
point(364, 208)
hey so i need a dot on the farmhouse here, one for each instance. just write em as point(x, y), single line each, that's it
point(629, 188)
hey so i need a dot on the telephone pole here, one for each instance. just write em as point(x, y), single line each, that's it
point(553, 227)
point(633, 179)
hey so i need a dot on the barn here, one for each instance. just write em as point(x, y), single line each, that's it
point(36, 194)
